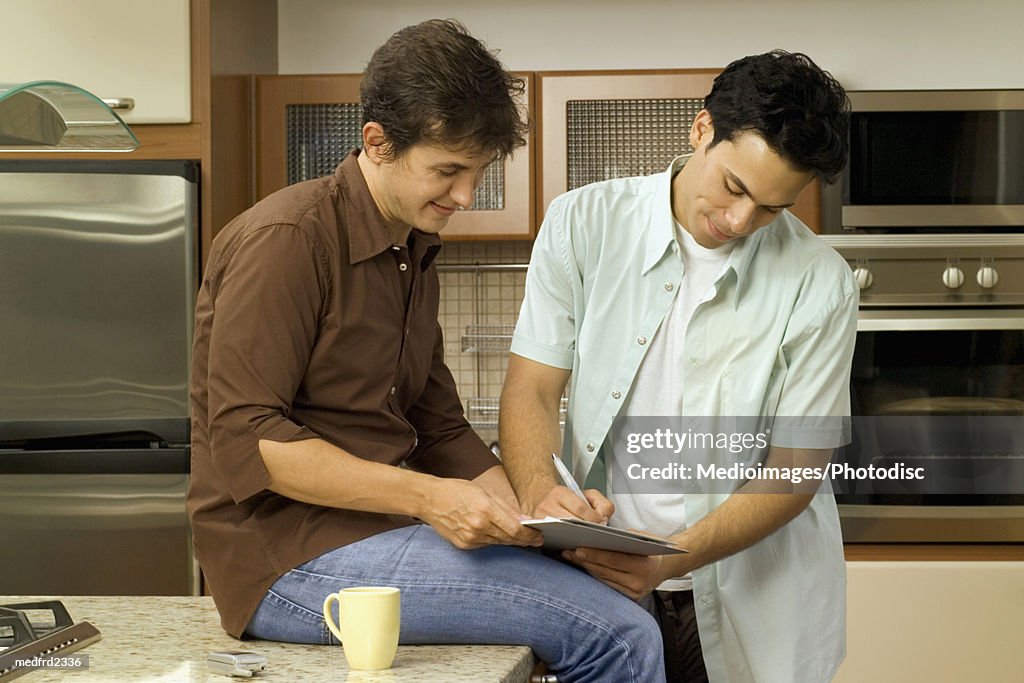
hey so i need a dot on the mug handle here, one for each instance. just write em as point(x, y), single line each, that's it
point(329, 617)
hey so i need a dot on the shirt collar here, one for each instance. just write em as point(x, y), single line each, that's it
point(662, 234)
point(368, 236)
point(742, 256)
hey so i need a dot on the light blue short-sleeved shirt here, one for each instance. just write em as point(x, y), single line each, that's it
point(776, 339)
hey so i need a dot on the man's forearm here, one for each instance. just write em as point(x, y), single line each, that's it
point(528, 427)
point(529, 433)
point(314, 471)
point(466, 513)
point(737, 524)
point(749, 515)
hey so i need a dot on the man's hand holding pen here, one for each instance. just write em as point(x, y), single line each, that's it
point(568, 500)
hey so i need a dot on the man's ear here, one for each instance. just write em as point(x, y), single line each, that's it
point(375, 143)
point(702, 131)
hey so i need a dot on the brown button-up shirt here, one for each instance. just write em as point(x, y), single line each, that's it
point(311, 323)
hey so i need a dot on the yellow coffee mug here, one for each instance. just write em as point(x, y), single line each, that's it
point(369, 619)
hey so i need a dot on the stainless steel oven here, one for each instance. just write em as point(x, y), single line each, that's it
point(940, 351)
point(929, 214)
point(940, 389)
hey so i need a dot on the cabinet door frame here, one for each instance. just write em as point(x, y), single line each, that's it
point(273, 95)
point(275, 92)
point(556, 88)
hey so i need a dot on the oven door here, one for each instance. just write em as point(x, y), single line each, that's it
point(942, 389)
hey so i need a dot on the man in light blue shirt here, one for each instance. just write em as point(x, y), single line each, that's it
point(695, 293)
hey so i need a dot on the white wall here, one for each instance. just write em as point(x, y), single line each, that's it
point(867, 44)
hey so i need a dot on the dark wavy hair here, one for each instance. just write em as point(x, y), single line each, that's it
point(802, 112)
point(434, 82)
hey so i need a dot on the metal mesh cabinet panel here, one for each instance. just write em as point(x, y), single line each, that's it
point(319, 136)
point(618, 138)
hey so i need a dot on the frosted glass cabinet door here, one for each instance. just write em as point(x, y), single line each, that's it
point(115, 49)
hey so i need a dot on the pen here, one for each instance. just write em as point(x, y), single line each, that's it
point(567, 478)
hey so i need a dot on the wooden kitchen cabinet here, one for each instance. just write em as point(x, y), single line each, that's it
point(598, 125)
point(115, 49)
point(306, 124)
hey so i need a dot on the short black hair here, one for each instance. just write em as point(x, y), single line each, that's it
point(800, 111)
point(434, 82)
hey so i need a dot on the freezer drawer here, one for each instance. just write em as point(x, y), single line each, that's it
point(95, 534)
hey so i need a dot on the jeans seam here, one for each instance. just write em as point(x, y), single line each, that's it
point(294, 606)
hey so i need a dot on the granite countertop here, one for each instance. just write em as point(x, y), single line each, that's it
point(166, 639)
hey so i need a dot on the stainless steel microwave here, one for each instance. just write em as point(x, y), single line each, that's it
point(931, 162)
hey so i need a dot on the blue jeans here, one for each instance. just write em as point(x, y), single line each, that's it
point(582, 629)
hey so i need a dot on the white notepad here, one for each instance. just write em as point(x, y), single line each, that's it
point(568, 532)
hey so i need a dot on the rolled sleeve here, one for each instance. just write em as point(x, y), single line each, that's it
point(238, 459)
point(267, 296)
point(524, 346)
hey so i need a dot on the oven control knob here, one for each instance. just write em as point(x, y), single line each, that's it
point(953, 278)
point(988, 277)
point(864, 277)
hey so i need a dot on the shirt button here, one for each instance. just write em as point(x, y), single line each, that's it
point(616, 394)
point(641, 340)
point(393, 390)
point(396, 248)
point(403, 267)
point(669, 286)
point(590, 448)
point(706, 601)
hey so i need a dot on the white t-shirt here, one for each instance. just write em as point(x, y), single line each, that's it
point(658, 390)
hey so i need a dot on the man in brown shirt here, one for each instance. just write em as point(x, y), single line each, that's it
point(329, 445)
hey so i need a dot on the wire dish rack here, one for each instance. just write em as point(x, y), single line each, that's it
point(488, 338)
point(482, 412)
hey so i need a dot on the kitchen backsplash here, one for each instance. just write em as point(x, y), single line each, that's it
point(479, 304)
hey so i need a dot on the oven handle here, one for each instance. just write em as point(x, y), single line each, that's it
point(911, 321)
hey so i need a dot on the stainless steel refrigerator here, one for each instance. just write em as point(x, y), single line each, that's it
point(97, 285)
